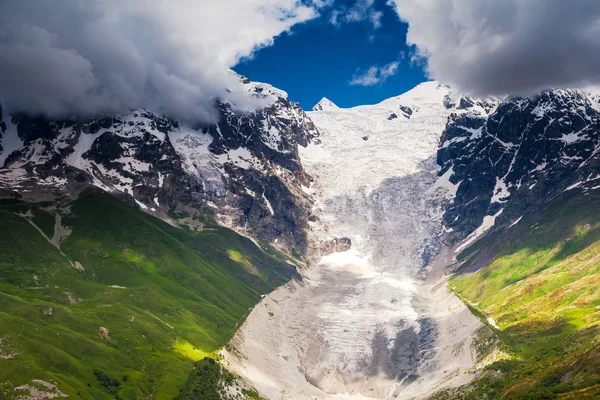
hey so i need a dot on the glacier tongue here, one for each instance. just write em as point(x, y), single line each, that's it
point(369, 322)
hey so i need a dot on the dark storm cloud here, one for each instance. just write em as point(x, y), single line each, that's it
point(89, 57)
point(490, 47)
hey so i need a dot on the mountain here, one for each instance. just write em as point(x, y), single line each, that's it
point(445, 199)
point(102, 300)
point(526, 211)
point(118, 267)
point(452, 242)
point(243, 171)
point(372, 321)
point(324, 104)
point(519, 156)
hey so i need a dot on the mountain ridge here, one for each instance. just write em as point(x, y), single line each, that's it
point(244, 171)
point(426, 178)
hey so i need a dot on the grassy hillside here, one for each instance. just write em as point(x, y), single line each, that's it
point(538, 282)
point(125, 305)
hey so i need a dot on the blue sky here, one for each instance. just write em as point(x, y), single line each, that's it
point(319, 59)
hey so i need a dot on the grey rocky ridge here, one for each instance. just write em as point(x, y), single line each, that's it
point(512, 157)
point(243, 172)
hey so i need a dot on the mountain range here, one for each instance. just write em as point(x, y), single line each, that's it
point(433, 245)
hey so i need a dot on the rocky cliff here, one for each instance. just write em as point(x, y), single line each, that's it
point(509, 158)
point(243, 172)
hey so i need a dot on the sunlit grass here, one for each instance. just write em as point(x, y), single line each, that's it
point(542, 289)
point(179, 297)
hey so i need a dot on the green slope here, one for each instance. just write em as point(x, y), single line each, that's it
point(540, 283)
point(147, 300)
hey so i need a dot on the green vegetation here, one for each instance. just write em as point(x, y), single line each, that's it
point(542, 290)
point(126, 305)
point(205, 381)
point(109, 383)
point(210, 381)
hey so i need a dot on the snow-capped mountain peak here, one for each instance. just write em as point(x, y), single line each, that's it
point(325, 104)
point(244, 170)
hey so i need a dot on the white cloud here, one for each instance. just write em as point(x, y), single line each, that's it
point(375, 74)
point(103, 56)
point(491, 47)
point(361, 11)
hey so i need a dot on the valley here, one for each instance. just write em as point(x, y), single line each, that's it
point(429, 246)
point(370, 322)
point(299, 200)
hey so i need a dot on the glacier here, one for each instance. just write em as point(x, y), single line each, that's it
point(376, 321)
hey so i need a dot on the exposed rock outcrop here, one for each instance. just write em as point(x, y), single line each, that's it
point(243, 172)
point(335, 245)
point(509, 158)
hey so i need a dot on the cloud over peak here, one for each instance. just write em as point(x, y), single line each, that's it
point(490, 47)
point(88, 57)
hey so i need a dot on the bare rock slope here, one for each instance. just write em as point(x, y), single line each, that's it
point(245, 171)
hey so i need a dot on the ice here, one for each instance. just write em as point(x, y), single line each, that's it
point(84, 143)
point(349, 325)
point(488, 222)
point(10, 142)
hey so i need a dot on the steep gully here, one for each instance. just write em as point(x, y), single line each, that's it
point(376, 321)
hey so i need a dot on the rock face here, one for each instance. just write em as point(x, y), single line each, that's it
point(335, 245)
point(508, 158)
point(244, 172)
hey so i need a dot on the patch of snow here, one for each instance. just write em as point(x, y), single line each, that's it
point(541, 110)
point(270, 135)
point(516, 222)
point(133, 165)
point(240, 157)
point(142, 205)
point(197, 160)
point(540, 167)
point(573, 186)
point(458, 139)
point(140, 123)
point(501, 192)
point(488, 222)
point(84, 144)
point(265, 91)
point(307, 190)
point(493, 323)
point(325, 105)
point(10, 141)
point(444, 182)
point(268, 203)
point(52, 180)
point(570, 138)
